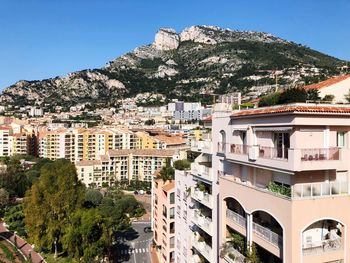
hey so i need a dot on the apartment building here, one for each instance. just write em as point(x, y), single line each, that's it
point(164, 219)
point(204, 194)
point(5, 145)
point(283, 173)
point(84, 144)
point(184, 214)
point(122, 165)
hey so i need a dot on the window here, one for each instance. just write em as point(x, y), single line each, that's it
point(172, 213)
point(172, 198)
point(340, 139)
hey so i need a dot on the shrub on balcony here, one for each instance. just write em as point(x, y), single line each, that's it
point(182, 165)
point(201, 187)
point(201, 239)
point(279, 189)
point(238, 242)
point(252, 255)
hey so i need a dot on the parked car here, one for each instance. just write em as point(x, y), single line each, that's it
point(136, 192)
point(148, 192)
point(147, 229)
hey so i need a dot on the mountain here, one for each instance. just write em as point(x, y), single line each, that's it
point(200, 60)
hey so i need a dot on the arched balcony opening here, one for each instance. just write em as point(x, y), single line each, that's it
point(322, 236)
point(235, 212)
point(266, 227)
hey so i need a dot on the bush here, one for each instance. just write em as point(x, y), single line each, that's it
point(293, 95)
point(269, 100)
point(182, 165)
point(280, 189)
point(92, 198)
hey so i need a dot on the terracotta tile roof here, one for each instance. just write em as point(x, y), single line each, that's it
point(169, 186)
point(328, 82)
point(170, 140)
point(4, 128)
point(88, 163)
point(142, 152)
point(290, 108)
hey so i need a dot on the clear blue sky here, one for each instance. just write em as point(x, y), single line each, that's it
point(47, 38)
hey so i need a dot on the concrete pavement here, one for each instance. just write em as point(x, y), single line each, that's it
point(134, 245)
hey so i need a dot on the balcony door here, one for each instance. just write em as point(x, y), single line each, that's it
point(281, 144)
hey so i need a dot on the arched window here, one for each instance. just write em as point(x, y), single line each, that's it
point(222, 141)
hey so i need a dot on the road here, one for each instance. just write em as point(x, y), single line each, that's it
point(133, 245)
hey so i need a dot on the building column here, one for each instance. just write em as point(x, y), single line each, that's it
point(249, 234)
point(326, 137)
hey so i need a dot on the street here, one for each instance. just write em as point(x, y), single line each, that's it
point(133, 245)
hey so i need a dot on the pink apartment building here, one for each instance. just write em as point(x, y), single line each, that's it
point(164, 219)
point(283, 173)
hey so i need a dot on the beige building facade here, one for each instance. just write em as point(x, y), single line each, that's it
point(283, 173)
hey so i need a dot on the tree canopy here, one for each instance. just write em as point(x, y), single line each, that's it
point(51, 202)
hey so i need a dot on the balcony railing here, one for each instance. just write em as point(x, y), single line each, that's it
point(203, 248)
point(273, 152)
point(267, 234)
point(203, 197)
point(320, 154)
point(236, 218)
point(323, 246)
point(238, 148)
point(320, 189)
point(204, 222)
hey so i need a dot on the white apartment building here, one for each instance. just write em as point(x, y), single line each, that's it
point(122, 165)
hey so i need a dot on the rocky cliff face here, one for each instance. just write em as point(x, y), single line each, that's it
point(188, 65)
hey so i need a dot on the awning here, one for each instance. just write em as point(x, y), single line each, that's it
point(239, 129)
point(287, 128)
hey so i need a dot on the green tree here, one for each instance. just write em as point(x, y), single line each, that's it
point(182, 165)
point(92, 198)
point(4, 197)
point(51, 202)
point(313, 94)
point(14, 217)
point(329, 98)
point(292, 95)
point(87, 237)
point(269, 100)
point(117, 219)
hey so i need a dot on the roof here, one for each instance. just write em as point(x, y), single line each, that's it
point(328, 82)
point(88, 163)
point(142, 152)
point(292, 108)
point(4, 128)
point(170, 140)
point(169, 186)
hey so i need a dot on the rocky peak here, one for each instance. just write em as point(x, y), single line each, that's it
point(166, 39)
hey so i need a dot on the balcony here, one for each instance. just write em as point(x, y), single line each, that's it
point(236, 218)
point(205, 223)
point(202, 197)
point(322, 246)
point(267, 235)
point(286, 158)
point(202, 146)
point(202, 248)
point(203, 170)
